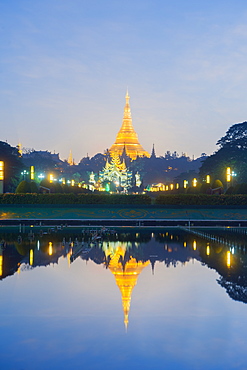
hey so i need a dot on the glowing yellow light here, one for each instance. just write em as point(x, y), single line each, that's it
point(171, 186)
point(1, 265)
point(208, 179)
point(63, 181)
point(194, 182)
point(127, 138)
point(72, 182)
point(50, 249)
point(185, 244)
point(31, 257)
point(228, 259)
point(177, 185)
point(208, 250)
point(2, 170)
point(167, 187)
point(185, 184)
point(194, 245)
point(32, 172)
point(228, 174)
point(51, 178)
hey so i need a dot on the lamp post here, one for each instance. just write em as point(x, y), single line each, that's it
point(24, 173)
point(1, 176)
point(32, 173)
point(228, 176)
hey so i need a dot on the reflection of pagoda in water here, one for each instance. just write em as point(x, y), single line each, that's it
point(126, 255)
point(126, 274)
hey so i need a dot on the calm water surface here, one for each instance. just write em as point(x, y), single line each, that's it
point(172, 299)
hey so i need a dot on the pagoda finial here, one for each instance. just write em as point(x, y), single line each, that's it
point(127, 97)
point(70, 159)
point(153, 155)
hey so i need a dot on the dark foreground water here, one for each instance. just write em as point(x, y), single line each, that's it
point(172, 299)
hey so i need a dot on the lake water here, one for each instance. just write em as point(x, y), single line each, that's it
point(154, 299)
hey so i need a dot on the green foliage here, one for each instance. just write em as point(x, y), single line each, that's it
point(194, 189)
point(34, 187)
point(238, 189)
point(23, 187)
point(205, 188)
point(232, 153)
point(22, 198)
point(236, 137)
point(201, 200)
point(217, 184)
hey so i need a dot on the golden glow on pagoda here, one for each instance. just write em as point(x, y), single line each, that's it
point(19, 148)
point(70, 159)
point(126, 275)
point(127, 137)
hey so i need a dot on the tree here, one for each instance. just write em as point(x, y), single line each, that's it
point(236, 137)
point(23, 187)
point(232, 153)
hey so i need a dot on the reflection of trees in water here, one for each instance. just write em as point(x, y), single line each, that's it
point(233, 277)
point(171, 247)
point(237, 291)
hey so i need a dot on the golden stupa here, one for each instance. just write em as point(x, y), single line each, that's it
point(127, 137)
point(126, 275)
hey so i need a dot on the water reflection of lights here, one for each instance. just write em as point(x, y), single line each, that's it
point(31, 257)
point(228, 259)
point(194, 245)
point(208, 249)
point(50, 251)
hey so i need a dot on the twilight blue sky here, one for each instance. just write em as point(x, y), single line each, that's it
point(65, 67)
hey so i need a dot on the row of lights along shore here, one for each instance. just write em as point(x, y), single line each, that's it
point(158, 187)
point(164, 187)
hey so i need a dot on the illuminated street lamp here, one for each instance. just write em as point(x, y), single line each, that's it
point(185, 184)
point(228, 174)
point(1, 176)
point(24, 173)
point(32, 172)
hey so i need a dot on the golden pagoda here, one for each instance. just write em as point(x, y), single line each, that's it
point(127, 137)
point(126, 275)
point(70, 159)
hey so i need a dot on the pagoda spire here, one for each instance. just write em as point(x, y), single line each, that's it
point(70, 159)
point(127, 137)
point(153, 155)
